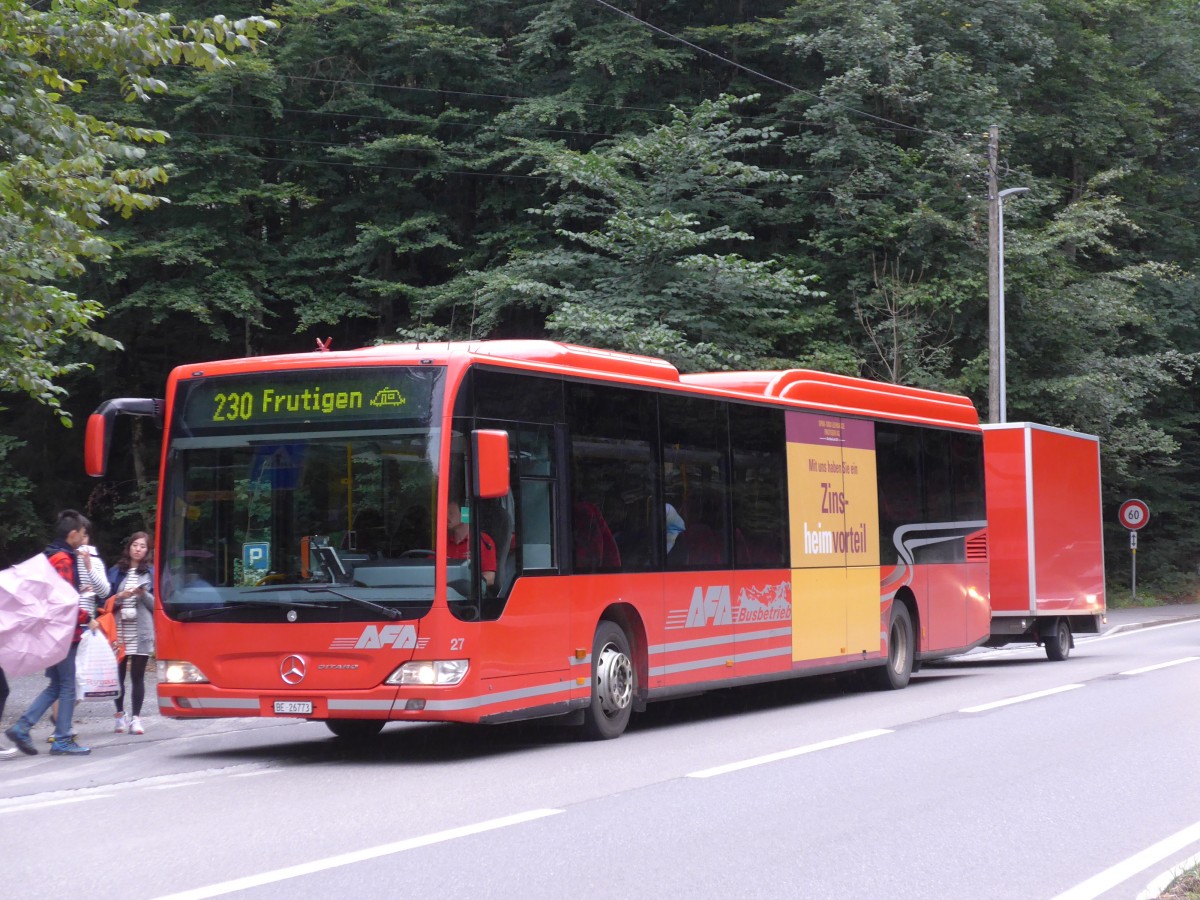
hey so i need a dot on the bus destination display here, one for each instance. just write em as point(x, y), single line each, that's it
point(315, 396)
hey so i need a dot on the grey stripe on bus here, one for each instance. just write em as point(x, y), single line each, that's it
point(719, 661)
point(738, 638)
point(360, 704)
point(502, 697)
point(208, 703)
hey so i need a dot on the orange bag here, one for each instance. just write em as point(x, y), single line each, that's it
point(108, 624)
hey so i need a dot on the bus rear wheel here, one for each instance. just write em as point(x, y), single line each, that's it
point(901, 651)
point(355, 729)
point(1058, 642)
point(613, 684)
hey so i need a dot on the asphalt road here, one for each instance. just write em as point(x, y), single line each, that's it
point(998, 774)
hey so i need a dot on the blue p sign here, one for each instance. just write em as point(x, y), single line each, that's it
point(256, 556)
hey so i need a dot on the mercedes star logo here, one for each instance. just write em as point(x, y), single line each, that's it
point(292, 669)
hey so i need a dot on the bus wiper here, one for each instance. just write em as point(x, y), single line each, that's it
point(361, 601)
point(261, 602)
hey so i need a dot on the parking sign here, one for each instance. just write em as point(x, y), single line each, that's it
point(256, 556)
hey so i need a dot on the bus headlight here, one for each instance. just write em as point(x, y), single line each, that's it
point(179, 671)
point(430, 672)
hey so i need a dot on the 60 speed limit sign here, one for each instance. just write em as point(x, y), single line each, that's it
point(1134, 514)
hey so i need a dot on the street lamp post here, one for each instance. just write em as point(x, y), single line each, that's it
point(1000, 350)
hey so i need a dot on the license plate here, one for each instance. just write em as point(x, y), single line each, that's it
point(293, 707)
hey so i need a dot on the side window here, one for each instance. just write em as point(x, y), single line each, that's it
point(966, 451)
point(760, 518)
point(939, 506)
point(612, 478)
point(516, 397)
point(695, 450)
point(525, 524)
point(537, 498)
point(898, 468)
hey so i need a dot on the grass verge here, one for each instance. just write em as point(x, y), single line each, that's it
point(1185, 887)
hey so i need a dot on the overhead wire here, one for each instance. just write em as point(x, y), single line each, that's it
point(500, 129)
point(621, 108)
point(769, 78)
point(874, 121)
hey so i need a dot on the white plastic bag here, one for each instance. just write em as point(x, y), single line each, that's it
point(95, 668)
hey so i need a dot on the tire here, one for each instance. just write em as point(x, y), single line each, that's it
point(1059, 641)
point(355, 729)
point(614, 684)
point(901, 651)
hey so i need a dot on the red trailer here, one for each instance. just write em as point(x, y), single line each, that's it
point(1045, 535)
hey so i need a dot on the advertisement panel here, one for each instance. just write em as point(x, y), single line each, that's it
point(834, 502)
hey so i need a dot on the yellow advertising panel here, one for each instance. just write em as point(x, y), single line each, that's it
point(834, 507)
point(864, 621)
point(818, 614)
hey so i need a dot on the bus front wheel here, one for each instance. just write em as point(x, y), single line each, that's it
point(613, 684)
point(355, 729)
point(901, 651)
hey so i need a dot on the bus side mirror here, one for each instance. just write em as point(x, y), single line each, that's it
point(99, 429)
point(95, 445)
point(490, 457)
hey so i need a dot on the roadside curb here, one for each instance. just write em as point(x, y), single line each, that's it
point(1149, 623)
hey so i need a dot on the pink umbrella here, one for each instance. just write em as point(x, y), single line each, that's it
point(39, 611)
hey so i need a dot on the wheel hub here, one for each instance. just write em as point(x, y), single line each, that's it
point(614, 680)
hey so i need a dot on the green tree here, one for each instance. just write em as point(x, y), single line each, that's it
point(18, 519)
point(645, 258)
point(62, 169)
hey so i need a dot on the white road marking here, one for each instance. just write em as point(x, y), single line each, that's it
point(173, 785)
point(1166, 665)
point(357, 856)
point(788, 754)
point(1036, 695)
point(1126, 869)
point(25, 807)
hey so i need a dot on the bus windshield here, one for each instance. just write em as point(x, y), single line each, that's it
point(327, 519)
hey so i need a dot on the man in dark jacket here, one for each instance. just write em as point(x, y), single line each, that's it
point(70, 531)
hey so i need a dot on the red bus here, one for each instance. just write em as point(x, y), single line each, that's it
point(648, 533)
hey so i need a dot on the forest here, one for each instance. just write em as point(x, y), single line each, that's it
point(727, 185)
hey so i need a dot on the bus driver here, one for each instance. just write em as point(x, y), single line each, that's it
point(459, 538)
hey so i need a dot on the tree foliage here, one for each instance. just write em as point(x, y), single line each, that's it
point(643, 256)
point(62, 168)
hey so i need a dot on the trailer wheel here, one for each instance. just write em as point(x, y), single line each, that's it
point(1059, 641)
point(613, 683)
point(901, 651)
point(355, 729)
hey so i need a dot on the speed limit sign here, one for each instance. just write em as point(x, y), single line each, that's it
point(1134, 514)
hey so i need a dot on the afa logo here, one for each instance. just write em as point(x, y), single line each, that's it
point(713, 606)
point(395, 637)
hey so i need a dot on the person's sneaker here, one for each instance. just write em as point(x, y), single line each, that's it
point(8, 752)
point(68, 748)
point(50, 737)
point(122, 724)
point(21, 739)
point(135, 725)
